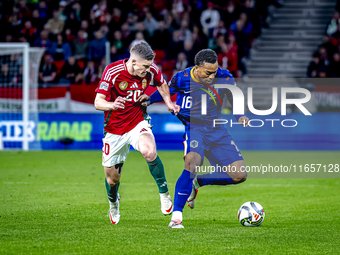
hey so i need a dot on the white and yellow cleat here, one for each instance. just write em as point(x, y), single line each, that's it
point(166, 203)
point(114, 211)
point(175, 224)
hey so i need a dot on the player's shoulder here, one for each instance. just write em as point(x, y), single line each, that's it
point(115, 66)
point(225, 74)
point(154, 68)
point(183, 74)
point(113, 69)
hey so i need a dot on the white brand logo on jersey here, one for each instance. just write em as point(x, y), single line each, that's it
point(134, 86)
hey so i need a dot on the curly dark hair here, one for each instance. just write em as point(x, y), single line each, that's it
point(207, 56)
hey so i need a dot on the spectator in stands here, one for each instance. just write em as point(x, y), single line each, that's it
point(242, 39)
point(186, 17)
point(132, 21)
point(71, 72)
point(189, 52)
point(15, 25)
point(334, 67)
point(248, 26)
point(62, 10)
point(198, 39)
point(314, 66)
point(227, 59)
point(117, 19)
point(104, 28)
point(77, 10)
point(229, 12)
point(80, 46)
point(37, 21)
point(29, 32)
point(151, 23)
point(96, 48)
point(141, 29)
point(70, 38)
point(114, 56)
point(220, 29)
point(333, 27)
point(139, 37)
point(252, 15)
point(60, 50)
point(170, 23)
point(85, 26)
point(118, 42)
point(43, 10)
point(72, 23)
point(55, 23)
point(127, 35)
point(5, 76)
point(182, 62)
point(99, 10)
point(233, 55)
point(25, 12)
point(161, 37)
point(174, 46)
point(330, 47)
point(90, 73)
point(185, 32)
point(47, 71)
point(43, 41)
point(209, 18)
point(324, 58)
point(17, 79)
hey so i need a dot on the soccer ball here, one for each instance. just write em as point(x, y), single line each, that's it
point(251, 214)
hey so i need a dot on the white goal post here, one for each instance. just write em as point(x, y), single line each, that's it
point(18, 113)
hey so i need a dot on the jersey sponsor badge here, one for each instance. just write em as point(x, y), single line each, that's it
point(144, 83)
point(104, 85)
point(123, 85)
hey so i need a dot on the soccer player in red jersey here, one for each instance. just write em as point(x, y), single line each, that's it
point(127, 123)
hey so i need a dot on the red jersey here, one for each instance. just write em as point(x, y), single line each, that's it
point(117, 81)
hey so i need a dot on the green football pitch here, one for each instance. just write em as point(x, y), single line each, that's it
point(54, 202)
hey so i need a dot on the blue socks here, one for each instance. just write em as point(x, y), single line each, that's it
point(183, 189)
point(214, 178)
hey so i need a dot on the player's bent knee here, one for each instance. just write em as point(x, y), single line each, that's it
point(112, 181)
point(241, 177)
point(149, 154)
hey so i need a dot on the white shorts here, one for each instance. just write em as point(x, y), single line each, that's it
point(116, 147)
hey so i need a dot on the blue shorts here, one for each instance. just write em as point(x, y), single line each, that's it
point(216, 144)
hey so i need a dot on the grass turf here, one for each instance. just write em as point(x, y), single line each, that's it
point(54, 202)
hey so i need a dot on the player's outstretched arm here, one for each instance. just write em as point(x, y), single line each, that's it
point(153, 98)
point(165, 93)
point(101, 104)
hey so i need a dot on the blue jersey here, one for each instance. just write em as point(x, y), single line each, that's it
point(200, 136)
point(189, 96)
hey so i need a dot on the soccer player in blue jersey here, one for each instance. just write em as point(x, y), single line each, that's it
point(201, 137)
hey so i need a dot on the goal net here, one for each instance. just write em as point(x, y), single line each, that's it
point(19, 68)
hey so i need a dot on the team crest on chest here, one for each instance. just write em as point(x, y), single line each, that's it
point(123, 85)
point(144, 83)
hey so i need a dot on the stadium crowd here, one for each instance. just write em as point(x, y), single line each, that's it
point(74, 33)
point(326, 60)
